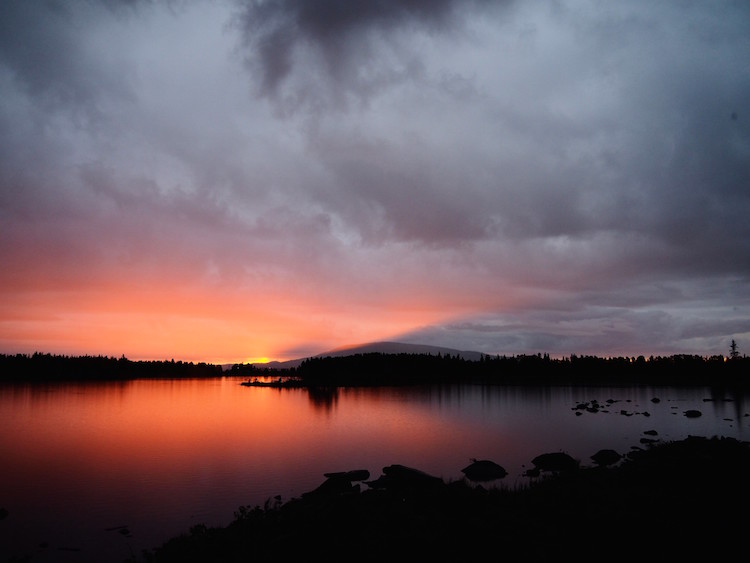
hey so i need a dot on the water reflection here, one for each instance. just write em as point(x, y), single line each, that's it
point(163, 455)
point(323, 398)
point(722, 397)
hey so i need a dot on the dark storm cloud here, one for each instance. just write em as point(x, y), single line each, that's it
point(660, 165)
point(42, 44)
point(355, 44)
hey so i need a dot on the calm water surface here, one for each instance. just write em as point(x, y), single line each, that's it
point(80, 461)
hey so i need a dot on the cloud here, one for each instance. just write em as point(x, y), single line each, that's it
point(511, 175)
point(45, 48)
point(320, 55)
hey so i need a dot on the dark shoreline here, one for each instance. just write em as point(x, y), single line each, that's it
point(685, 498)
point(377, 369)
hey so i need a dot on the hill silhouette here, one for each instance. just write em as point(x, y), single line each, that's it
point(385, 347)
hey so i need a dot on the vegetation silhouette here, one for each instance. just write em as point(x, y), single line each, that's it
point(48, 367)
point(734, 353)
point(671, 500)
point(400, 369)
point(370, 369)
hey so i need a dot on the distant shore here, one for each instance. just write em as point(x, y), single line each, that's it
point(669, 500)
point(50, 367)
point(373, 369)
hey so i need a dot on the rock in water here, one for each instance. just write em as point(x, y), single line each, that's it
point(400, 477)
point(484, 470)
point(557, 461)
point(354, 475)
point(335, 485)
point(606, 457)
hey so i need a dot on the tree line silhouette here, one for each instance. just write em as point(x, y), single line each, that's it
point(380, 369)
point(403, 368)
point(49, 367)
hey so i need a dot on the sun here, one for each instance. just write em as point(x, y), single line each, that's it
point(257, 360)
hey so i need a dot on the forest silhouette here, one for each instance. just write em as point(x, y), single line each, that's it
point(49, 367)
point(400, 369)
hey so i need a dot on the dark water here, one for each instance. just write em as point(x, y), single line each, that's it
point(98, 472)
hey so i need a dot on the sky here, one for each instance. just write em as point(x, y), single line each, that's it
point(230, 181)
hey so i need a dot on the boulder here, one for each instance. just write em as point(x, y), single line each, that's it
point(484, 470)
point(531, 472)
point(339, 483)
point(400, 477)
point(606, 457)
point(692, 413)
point(556, 461)
point(332, 486)
point(354, 475)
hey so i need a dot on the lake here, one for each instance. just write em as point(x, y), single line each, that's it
point(101, 471)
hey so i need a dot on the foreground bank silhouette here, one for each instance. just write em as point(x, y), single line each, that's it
point(671, 500)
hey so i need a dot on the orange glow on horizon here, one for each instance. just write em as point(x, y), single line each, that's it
point(261, 360)
point(205, 324)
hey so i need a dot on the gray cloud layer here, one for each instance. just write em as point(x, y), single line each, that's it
point(354, 45)
point(554, 177)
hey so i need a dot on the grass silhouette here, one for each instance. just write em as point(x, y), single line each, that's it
point(673, 499)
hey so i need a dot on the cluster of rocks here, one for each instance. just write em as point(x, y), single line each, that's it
point(594, 406)
point(683, 495)
point(400, 477)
